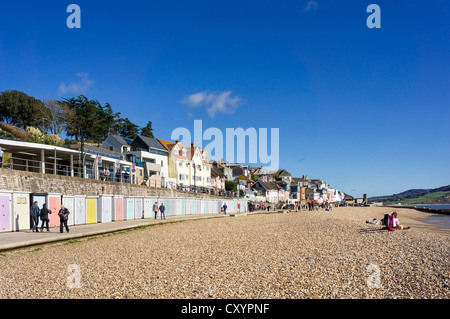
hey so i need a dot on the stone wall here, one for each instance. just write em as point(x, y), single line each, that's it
point(13, 180)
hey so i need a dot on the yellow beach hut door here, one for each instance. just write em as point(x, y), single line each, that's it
point(91, 210)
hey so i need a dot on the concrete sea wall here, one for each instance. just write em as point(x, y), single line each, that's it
point(13, 180)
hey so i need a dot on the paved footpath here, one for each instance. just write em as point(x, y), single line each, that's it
point(25, 238)
point(13, 240)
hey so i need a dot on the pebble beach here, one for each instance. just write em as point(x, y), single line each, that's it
point(294, 255)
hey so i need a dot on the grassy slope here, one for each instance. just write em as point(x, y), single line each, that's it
point(425, 199)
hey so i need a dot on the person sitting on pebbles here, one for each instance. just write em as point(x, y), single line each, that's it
point(389, 222)
point(394, 223)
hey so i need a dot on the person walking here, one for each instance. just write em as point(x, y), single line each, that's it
point(1, 157)
point(107, 174)
point(63, 217)
point(155, 209)
point(225, 208)
point(162, 209)
point(44, 217)
point(34, 212)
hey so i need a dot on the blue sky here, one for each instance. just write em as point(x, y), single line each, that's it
point(367, 110)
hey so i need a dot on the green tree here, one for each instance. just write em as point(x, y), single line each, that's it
point(91, 120)
point(147, 130)
point(82, 125)
point(128, 129)
point(230, 186)
point(18, 108)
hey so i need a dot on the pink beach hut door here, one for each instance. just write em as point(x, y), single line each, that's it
point(5, 213)
point(54, 204)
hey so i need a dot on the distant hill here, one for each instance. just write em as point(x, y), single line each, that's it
point(439, 195)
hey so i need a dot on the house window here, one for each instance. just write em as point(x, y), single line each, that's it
point(162, 163)
point(179, 164)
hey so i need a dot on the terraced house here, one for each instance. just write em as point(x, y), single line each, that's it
point(189, 166)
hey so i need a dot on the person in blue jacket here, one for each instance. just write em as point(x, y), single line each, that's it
point(162, 209)
point(35, 212)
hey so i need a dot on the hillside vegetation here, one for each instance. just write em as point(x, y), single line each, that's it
point(439, 195)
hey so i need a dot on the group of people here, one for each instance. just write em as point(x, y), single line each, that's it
point(160, 208)
point(105, 175)
point(43, 214)
point(389, 222)
point(323, 206)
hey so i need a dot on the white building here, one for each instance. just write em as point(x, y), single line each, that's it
point(150, 154)
point(188, 165)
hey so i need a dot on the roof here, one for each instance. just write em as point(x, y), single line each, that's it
point(237, 171)
point(121, 140)
point(170, 145)
point(152, 142)
point(216, 172)
point(190, 151)
point(223, 166)
point(280, 173)
point(300, 180)
point(242, 177)
point(268, 185)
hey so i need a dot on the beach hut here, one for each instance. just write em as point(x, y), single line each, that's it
point(53, 202)
point(104, 212)
point(54, 205)
point(178, 206)
point(138, 208)
point(21, 208)
point(128, 208)
point(194, 206)
point(148, 206)
point(171, 207)
point(117, 211)
point(69, 203)
point(5, 211)
point(41, 199)
point(80, 210)
point(167, 204)
point(183, 206)
point(202, 206)
point(187, 206)
point(91, 209)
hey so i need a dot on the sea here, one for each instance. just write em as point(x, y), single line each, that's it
point(438, 218)
point(435, 206)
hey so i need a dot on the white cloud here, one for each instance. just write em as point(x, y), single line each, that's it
point(311, 5)
point(83, 84)
point(214, 102)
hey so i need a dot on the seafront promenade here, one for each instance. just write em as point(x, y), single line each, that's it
point(317, 254)
point(27, 238)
